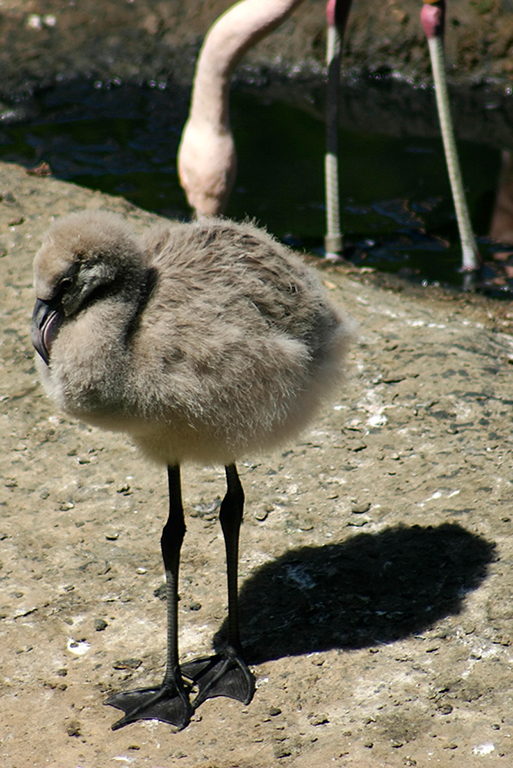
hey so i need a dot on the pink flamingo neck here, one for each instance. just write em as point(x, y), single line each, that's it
point(235, 32)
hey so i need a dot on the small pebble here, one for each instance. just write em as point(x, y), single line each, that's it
point(319, 720)
point(100, 625)
point(359, 508)
point(127, 664)
point(73, 729)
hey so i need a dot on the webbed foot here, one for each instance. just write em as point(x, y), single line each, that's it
point(167, 704)
point(225, 674)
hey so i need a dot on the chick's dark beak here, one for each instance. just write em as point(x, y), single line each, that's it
point(46, 320)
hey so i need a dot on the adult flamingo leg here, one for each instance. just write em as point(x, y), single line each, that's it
point(337, 12)
point(432, 18)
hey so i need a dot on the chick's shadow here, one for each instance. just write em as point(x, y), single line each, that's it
point(371, 588)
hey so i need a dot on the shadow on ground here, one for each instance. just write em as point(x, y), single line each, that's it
point(372, 588)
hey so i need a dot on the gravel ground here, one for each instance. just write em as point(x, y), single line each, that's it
point(376, 571)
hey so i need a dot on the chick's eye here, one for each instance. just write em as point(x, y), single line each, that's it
point(60, 289)
point(63, 286)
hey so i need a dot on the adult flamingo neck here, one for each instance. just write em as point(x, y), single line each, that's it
point(235, 32)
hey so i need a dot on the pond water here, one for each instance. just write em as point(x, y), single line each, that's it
point(396, 206)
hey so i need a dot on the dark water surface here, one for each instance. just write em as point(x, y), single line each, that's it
point(396, 205)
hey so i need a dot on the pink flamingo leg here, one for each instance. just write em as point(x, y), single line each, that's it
point(432, 17)
point(337, 12)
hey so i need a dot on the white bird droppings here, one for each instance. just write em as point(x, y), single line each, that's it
point(484, 749)
point(79, 648)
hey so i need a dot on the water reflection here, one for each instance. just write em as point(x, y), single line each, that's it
point(396, 204)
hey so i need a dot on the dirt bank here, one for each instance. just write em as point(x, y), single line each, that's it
point(45, 41)
point(376, 562)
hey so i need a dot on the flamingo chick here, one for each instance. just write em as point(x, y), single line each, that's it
point(204, 342)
